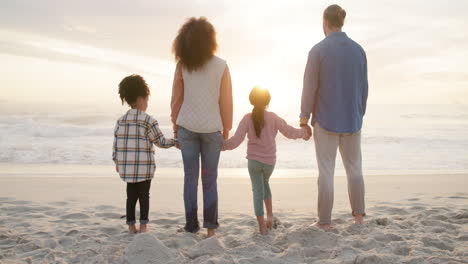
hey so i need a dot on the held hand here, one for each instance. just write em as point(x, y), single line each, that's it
point(309, 132)
point(225, 134)
point(116, 167)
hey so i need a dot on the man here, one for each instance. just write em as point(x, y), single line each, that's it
point(335, 94)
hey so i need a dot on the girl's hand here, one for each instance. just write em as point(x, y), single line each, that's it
point(309, 132)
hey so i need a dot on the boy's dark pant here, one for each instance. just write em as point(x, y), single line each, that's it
point(138, 191)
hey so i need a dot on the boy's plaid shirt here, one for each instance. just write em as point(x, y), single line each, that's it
point(133, 151)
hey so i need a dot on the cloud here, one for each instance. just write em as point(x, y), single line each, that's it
point(63, 51)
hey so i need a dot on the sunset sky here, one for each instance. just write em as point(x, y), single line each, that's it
point(60, 52)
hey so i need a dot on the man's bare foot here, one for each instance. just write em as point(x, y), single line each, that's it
point(210, 232)
point(132, 229)
point(358, 219)
point(325, 227)
point(269, 222)
point(143, 228)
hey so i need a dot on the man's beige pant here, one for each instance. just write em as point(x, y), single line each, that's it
point(326, 145)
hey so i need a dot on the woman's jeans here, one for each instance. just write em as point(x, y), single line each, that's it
point(138, 191)
point(208, 147)
point(260, 176)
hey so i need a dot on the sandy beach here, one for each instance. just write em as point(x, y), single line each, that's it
point(72, 214)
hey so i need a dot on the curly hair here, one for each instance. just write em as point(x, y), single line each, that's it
point(335, 15)
point(195, 43)
point(132, 87)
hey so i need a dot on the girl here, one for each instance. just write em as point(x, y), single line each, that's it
point(261, 128)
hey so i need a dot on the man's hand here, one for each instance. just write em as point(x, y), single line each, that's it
point(303, 121)
point(225, 134)
point(116, 167)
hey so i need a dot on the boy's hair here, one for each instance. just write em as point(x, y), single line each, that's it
point(195, 43)
point(132, 87)
point(259, 98)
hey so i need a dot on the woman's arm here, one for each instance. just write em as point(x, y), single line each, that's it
point(225, 102)
point(238, 137)
point(177, 96)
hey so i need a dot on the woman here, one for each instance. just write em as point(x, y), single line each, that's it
point(202, 116)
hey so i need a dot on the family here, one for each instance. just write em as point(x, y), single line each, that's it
point(334, 94)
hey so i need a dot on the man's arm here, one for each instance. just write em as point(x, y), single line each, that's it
point(365, 89)
point(310, 85)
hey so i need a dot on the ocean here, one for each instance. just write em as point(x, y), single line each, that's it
point(408, 138)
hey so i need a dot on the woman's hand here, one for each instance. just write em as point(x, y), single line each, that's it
point(225, 134)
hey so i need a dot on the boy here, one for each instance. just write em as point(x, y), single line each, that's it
point(133, 152)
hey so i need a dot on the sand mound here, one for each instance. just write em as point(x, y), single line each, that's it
point(146, 249)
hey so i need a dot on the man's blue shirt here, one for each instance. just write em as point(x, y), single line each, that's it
point(335, 84)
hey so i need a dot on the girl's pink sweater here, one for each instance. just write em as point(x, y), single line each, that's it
point(263, 149)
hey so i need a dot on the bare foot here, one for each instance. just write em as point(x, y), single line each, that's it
point(358, 219)
point(210, 232)
point(325, 227)
point(143, 228)
point(269, 222)
point(132, 229)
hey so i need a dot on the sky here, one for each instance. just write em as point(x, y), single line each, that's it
point(56, 52)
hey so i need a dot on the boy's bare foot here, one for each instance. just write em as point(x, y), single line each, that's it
point(143, 228)
point(325, 227)
point(132, 229)
point(210, 232)
point(358, 219)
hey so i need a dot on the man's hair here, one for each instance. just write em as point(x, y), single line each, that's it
point(335, 16)
point(195, 43)
point(132, 87)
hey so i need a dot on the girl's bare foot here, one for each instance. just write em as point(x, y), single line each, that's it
point(132, 229)
point(263, 229)
point(210, 232)
point(143, 228)
point(358, 219)
point(269, 222)
point(325, 227)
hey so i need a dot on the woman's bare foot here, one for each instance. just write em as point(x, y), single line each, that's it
point(269, 222)
point(358, 219)
point(210, 232)
point(143, 228)
point(325, 227)
point(132, 229)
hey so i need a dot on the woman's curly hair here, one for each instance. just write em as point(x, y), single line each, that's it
point(195, 43)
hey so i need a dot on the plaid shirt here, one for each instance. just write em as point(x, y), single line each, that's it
point(133, 151)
